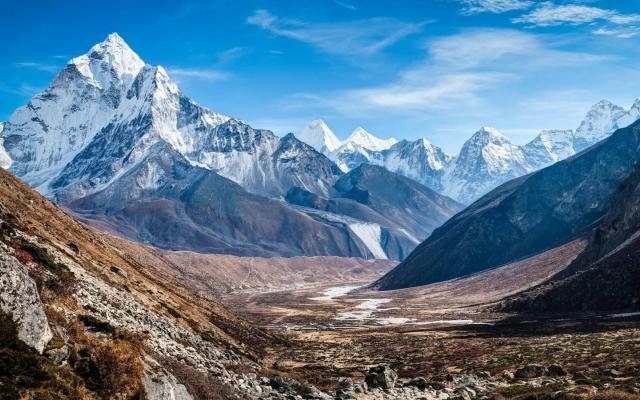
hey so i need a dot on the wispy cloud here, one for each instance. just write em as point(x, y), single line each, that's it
point(456, 72)
point(197, 73)
point(230, 55)
point(550, 14)
point(364, 37)
point(623, 33)
point(346, 5)
point(38, 66)
point(493, 6)
point(23, 90)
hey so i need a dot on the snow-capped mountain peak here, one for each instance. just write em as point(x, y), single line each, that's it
point(319, 136)
point(487, 134)
point(108, 59)
point(369, 141)
point(599, 122)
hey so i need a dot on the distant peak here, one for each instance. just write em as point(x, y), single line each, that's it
point(318, 123)
point(115, 38)
point(319, 136)
point(369, 141)
point(604, 102)
point(490, 132)
point(426, 142)
point(360, 131)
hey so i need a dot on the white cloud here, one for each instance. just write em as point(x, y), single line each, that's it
point(230, 55)
point(502, 46)
point(39, 66)
point(457, 73)
point(364, 37)
point(197, 73)
point(550, 14)
point(493, 6)
point(346, 5)
point(623, 33)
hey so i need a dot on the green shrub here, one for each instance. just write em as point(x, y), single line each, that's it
point(42, 257)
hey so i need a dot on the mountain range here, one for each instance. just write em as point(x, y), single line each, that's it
point(527, 215)
point(116, 142)
point(485, 161)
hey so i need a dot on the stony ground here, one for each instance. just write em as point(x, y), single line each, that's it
point(443, 348)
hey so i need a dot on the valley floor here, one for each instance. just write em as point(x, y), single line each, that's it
point(446, 333)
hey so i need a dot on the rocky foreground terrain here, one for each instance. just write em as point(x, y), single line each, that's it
point(447, 341)
point(83, 319)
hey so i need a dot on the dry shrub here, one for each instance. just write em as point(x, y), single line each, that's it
point(614, 395)
point(23, 256)
point(111, 369)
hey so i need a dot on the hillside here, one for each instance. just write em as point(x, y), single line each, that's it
point(524, 216)
point(107, 323)
point(605, 277)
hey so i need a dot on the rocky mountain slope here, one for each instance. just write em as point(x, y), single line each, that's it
point(488, 158)
point(399, 212)
point(104, 323)
point(605, 276)
point(115, 141)
point(525, 216)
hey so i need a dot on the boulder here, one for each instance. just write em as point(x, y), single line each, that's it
point(530, 371)
point(19, 297)
point(419, 382)
point(381, 377)
point(159, 384)
point(283, 384)
point(556, 370)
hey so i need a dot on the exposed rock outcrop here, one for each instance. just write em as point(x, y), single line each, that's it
point(19, 297)
point(159, 384)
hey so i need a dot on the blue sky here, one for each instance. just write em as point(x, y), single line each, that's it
point(438, 69)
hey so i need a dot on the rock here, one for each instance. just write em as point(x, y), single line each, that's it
point(360, 387)
point(508, 375)
point(381, 377)
point(530, 371)
point(19, 297)
point(160, 384)
point(484, 374)
point(283, 384)
point(466, 393)
point(613, 372)
point(419, 382)
point(345, 383)
point(278, 364)
point(556, 370)
point(310, 392)
point(579, 376)
point(342, 394)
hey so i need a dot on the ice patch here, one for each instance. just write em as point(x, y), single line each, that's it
point(370, 235)
point(333, 292)
point(372, 304)
point(624, 315)
point(394, 320)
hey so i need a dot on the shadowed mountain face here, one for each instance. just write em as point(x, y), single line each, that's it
point(524, 216)
point(167, 202)
point(606, 276)
point(399, 211)
point(397, 198)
